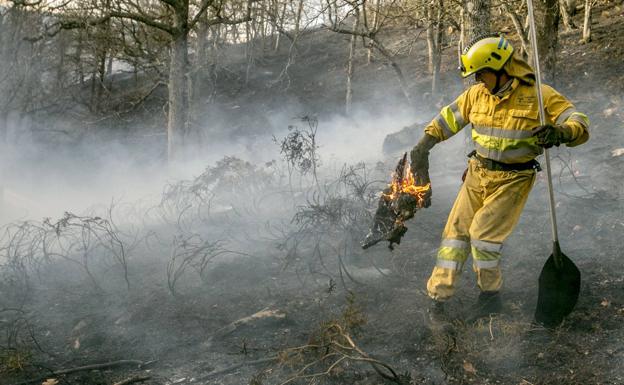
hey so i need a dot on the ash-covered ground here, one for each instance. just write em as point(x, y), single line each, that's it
point(247, 269)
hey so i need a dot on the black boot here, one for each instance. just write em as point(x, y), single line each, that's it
point(437, 316)
point(488, 303)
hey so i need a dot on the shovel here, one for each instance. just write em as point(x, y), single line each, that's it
point(560, 279)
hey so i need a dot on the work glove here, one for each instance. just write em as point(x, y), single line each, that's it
point(550, 135)
point(420, 164)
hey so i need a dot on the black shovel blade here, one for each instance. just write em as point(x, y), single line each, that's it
point(559, 287)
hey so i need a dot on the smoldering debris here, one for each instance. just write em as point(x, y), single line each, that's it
point(195, 224)
point(242, 237)
point(235, 240)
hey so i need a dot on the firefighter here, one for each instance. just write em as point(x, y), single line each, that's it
point(503, 111)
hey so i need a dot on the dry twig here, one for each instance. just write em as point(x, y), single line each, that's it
point(235, 367)
point(133, 380)
point(334, 347)
point(85, 368)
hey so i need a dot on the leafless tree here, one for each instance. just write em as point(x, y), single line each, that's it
point(587, 20)
point(338, 13)
point(515, 12)
point(176, 19)
point(567, 9)
point(478, 18)
point(350, 63)
point(79, 239)
point(435, 35)
point(547, 31)
point(28, 70)
point(190, 251)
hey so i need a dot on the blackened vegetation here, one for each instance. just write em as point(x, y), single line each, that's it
point(32, 251)
point(281, 213)
point(187, 203)
point(30, 248)
point(248, 239)
point(331, 349)
point(253, 273)
point(299, 149)
point(190, 251)
point(331, 223)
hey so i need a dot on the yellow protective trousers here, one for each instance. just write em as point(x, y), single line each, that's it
point(485, 213)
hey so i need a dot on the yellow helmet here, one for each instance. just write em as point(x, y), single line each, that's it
point(486, 52)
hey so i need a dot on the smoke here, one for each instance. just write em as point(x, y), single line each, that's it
point(39, 183)
point(46, 178)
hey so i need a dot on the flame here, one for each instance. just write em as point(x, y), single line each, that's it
point(406, 184)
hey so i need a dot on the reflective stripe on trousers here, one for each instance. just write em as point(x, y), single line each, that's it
point(452, 254)
point(485, 212)
point(485, 255)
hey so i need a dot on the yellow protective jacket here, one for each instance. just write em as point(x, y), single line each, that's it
point(502, 124)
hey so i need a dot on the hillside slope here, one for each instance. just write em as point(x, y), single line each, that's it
point(252, 273)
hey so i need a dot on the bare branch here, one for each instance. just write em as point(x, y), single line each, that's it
point(172, 3)
point(145, 20)
point(25, 3)
point(84, 368)
point(202, 9)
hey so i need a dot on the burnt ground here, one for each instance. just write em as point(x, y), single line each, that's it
point(59, 318)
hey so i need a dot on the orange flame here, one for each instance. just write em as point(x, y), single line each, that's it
point(407, 185)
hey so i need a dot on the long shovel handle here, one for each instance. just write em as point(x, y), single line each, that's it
point(542, 117)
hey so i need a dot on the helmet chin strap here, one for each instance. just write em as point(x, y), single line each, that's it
point(499, 74)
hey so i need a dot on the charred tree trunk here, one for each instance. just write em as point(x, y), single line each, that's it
point(249, 48)
point(587, 20)
point(178, 113)
point(101, 76)
point(462, 31)
point(395, 67)
point(281, 16)
point(434, 42)
point(566, 8)
point(109, 72)
point(292, 50)
point(298, 19)
point(475, 22)
point(349, 96)
point(102, 51)
point(547, 26)
point(78, 59)
point(201, 57)
point(477, 18)
point(216, 37)
point(3, 152)
point(60, 69)
point(377, 7)
point(520, 30)
point(263, 26)
point(93, 97)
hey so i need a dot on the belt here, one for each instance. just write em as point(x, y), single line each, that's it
point(494, 165)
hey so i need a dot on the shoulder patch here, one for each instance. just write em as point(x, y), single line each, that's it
point(526, 100)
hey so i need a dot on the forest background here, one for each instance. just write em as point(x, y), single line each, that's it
point(185, 185)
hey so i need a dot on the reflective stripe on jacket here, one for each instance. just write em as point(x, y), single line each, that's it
point(501, 126)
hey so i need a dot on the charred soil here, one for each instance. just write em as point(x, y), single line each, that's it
point(288, 297)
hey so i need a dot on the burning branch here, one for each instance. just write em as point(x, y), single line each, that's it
point(398, 203)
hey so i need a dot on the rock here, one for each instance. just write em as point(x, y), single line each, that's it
point(402, 140)
point(617, 152)
point(79, 326)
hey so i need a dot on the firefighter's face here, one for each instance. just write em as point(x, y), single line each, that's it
point(487, 77)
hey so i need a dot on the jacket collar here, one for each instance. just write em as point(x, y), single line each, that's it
point(507, 89)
